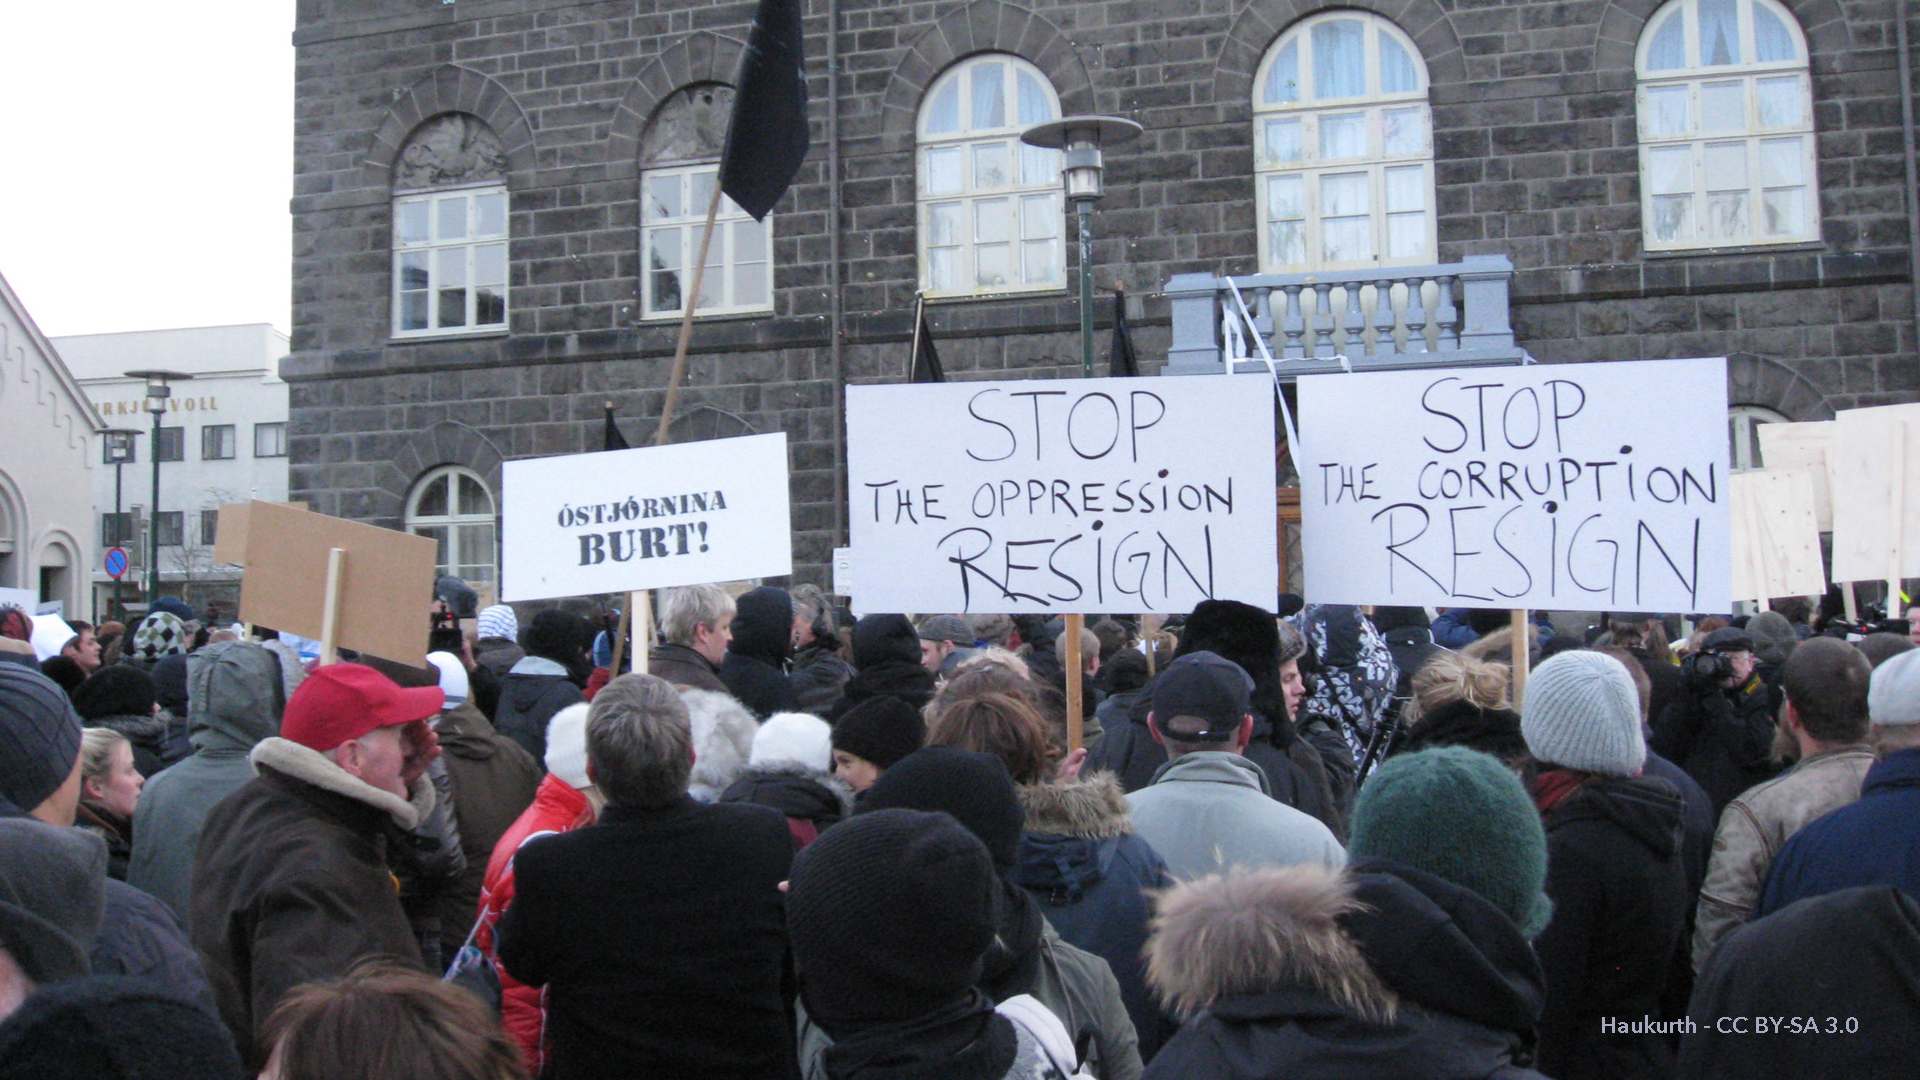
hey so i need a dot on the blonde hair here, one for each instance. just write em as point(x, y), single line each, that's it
point(96, 751)
point(1457, 676)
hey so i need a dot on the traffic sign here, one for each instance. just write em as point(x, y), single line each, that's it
point(116, 563)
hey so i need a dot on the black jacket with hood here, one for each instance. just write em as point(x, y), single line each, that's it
point(531, 693)
point(1380, 973)
point(755, 667)
point(811, 800)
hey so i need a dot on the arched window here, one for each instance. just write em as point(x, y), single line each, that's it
point(452, 505)
point(1343, 147)
point(1726, 127)
point(990, 206)
point(679, 166)
point(1743, 440)
point(450, 230)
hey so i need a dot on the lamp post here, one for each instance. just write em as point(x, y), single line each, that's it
point(1081, 137)
point(157, 394)
point(119, 451)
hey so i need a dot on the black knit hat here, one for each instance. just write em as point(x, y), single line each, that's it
point(889, 914)
point(116, 690)
point(115, 1027)
point(555, 635)
point(878, 639)
point(170, 683)
point(881, 730)
point(39, 739)
point(1239, 632)
point(64, 671)
point(974, 788)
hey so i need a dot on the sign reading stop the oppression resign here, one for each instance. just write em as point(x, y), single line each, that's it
point(1065, 495)
point(650, 518)
point(1584, 487)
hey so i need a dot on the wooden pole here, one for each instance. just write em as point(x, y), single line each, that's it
point(1522, 654)
point(1897, 557)
point(642, 607)
point(330, 606)
point(692, 299)
point(620, 637)
point(1071, 667)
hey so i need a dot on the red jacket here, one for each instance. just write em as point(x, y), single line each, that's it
point(557, 808)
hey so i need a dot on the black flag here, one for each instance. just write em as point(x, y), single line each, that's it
point(1122, 361)
point(767, 136)
point(926, 359)
point(614, 440)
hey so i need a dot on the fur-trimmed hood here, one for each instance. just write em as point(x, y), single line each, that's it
point(1093, 807)
point(794, 789)
point(313, 767)
point(723, 732)
point(1253, 931)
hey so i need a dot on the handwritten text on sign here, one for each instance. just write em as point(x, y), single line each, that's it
point(1583, 487)
point(649, 518)
point(1067, 495)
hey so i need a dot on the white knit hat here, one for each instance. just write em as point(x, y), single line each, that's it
point(1581, 711)
point(1893, 697)
point(497, 622)
point(453, 676)
point(567, 745)
point(792, 736)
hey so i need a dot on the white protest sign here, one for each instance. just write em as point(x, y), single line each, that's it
point(650, 518)
point(1062, 495)
point(1776, 535)
point(1582, 487)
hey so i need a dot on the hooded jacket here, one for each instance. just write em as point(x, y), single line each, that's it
point(1211, 809)
point(530, 694)
point(235, 701)
point(722, 732)
point(494, 780)
point(1091, 875)
point(812, 800)
point(1619, 892)
point(755, 667)
point(1380, 974)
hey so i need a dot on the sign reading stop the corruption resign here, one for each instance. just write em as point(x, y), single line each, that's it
point(650, 518)
point(1585, 487)
point(1062, 495)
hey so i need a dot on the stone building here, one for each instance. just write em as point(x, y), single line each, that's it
point(495, 202)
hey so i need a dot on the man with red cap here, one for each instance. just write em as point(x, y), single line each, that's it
point(290, 882)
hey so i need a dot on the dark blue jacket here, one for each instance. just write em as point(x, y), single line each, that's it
point(1871, 842)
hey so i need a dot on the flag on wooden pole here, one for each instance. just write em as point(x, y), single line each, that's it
point(925, 367)
point(1122, 361)
point(611, 437)
point(767, 136)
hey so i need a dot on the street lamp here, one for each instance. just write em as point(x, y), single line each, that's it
point(119, 452)
point(1081, 137)
point(157, 394)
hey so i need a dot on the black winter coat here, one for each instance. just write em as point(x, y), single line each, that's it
point(755, 667)
point(1619, 891)
point(810, 799)
point(1724, 739)
point(527, 703)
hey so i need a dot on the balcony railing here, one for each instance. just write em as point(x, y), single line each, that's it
point(1449, 315)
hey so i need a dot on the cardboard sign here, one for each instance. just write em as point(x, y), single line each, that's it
point(1876, 493)
point(230, 533)
point(1776, 535)
point(655, 517)
point(1808, 447)
point(1583, 487)
point(1062, 495)
point(386, 584)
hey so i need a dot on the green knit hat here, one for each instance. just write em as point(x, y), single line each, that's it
point(1463, 817)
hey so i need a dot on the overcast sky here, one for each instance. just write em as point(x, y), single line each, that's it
point(149, 160)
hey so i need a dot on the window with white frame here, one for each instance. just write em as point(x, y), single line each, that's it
point(679, 168)
point(1743, 437)
point(1343, 139)
point(991, 208)
point(1726, 127)
point(453, 507)
point(450, 261)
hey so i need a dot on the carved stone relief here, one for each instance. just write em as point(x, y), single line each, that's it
point(450, 149)
point(691, 125)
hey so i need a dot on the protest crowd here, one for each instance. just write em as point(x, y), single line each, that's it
point(771, 840)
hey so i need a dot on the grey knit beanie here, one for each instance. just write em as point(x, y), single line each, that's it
point(51, 882)
point(1581, 712)
point(39, 739)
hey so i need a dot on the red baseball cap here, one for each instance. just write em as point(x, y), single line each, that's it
point(340, 702)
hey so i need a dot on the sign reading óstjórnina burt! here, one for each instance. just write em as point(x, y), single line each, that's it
point(1062, 495)
point(649, 518)
point(1584, 487)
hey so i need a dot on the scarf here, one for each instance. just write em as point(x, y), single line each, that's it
point(1553, 786)
point(963, 1041)
point(1012, 963)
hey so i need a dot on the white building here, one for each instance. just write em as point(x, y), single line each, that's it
point(47, 539)
point(222, 440)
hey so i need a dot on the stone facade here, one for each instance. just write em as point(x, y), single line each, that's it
point(1535, 154)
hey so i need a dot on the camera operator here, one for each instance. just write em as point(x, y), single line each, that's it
point(1721, 729)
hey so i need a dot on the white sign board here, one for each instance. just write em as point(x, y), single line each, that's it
point(1876, 493)
point(650, 518)
point(1581, 487)
point(1776, 535)
point(1062, 495)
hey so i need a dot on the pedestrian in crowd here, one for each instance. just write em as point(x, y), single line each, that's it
point(1825, 681)
point(1871, 841)
point(992, 631)
point(696, 624)
point(1090, 696)
point(236, 701)
point(1028, 956)
point(945, 641)
point(566, 800)
point(869, 738)
point(113, 1027)
point(161, 633)
point(291, 882)
point(819, 671)
point(173, 694)
point(83, 648)
point(1209, 807)
point(64, 672)
point(1459, 700)
point(1357, 674)
point(1721, 730)
point(109, 790)
point(791, 770)
point(1773, 643)
point(121, 699)
point(886, 661)
point(386, 1021)
point(1879, 648)
point(544, 681)
point(723, 732)
point(1644, 637)
point(1614, 869)
point(496, 643)
point(51, 906)
point(755, 667)
point(111, 636)
point(1697, 821)
point(658, 930)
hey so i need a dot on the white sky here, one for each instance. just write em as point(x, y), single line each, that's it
point(149, 159)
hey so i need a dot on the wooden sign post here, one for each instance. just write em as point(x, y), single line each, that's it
point(1071, 667)
point(1522, 639)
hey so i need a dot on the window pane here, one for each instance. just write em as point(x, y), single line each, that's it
point(413, 270)
point(411, 223)
point(1339, 59)
point(1039, 262)
point(413, 311)
point(453, 307)
point(990, 165)
point(1406, 236)
point(663, 262)
point(943, 112)
point(749, 240)
point(1669, 170)
point(1039, 165)
point(700, 190)
point(490, 264)
point(989, 95)
point(438, 534)
point(991, 220)
point(1287, 242)
point(943, 224)
point(270, 440)
point(1786, 210)
point(992, 265)
point(1343, 193)
point(1035, 106)
point(663, 197)
point(453, 217)
point(1782, 162)
point(490, 215)
point(1039, 218)
point(1404, 131)
point(1668, 50)
point(1726, 166)
point(1343, 135)
point(1781, 102)
point(1397, 74)
point(1407, 188)
point(1347, 239)
point(1771, 41)
point(473, 497)
point(1668, 112)
point(1723, 106)
point(1719, 32)
point(1283, 142)
point(943, 170)
point(450, 267)
point(433, 498)
point(1283, 78)
point(750, 283)
point(1672, 218)
point(476, 543)
point(1283, 198)
point(489, 306)
point(1726, 215)
point(943, 268)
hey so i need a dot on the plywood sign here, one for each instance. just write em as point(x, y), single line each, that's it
point(1808, 447)
point(386, 582)
point(1876, 493)
point(230, 535)
point(1776, 535)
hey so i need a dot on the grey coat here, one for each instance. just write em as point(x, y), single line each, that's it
point(1209, 810)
